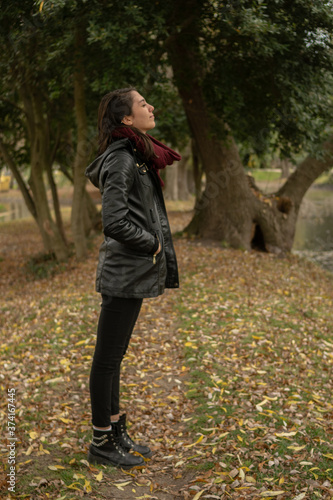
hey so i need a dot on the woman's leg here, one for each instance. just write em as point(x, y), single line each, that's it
point(115, 389)
point(115, 326)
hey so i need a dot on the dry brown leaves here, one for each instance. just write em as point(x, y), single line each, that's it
point(219, 446)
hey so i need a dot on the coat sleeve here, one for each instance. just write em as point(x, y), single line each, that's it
point(117, 180)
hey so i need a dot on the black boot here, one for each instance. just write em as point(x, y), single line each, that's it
point(126, 442)
point(106, 449)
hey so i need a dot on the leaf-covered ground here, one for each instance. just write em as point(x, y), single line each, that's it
point(229, 379)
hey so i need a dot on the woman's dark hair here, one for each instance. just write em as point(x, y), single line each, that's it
point(112, 109)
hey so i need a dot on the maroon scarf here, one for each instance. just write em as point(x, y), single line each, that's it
point(164, 155)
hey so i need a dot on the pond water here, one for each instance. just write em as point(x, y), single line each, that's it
point(314, 230)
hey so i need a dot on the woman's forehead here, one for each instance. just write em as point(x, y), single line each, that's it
point(137, 97)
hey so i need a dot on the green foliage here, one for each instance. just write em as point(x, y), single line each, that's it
point(42, 265)
point(270, 73)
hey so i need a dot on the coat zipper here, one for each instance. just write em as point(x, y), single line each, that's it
point(154, 256)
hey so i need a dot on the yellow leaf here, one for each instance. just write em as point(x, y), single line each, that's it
point(81, 342)
point(41, 6)
point(99, 476)
point(198, 495)
point(65, 420)
point(281, 481)
point(272, 493)
point(33, 435)
point(223, 435)
point(87, 486)
point(29, 450)
point(250, 479)
point(74, 487)
point(193, 444)
point(265, 401)
point(296, 448)
point(79, 476)
point(299, 497)
point(329, 455)
point(120, 485)
point(285, 434)
point(55, 380)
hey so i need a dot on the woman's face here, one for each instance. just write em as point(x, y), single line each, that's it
point(142, 116)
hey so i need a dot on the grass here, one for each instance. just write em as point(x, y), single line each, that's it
point(261, 373)
point(261, 175)
point(265, 175)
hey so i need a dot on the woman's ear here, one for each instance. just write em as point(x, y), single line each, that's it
point(127, 120)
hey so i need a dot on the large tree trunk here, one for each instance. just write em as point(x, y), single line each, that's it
point(225, 210)
point(79, 209)
point(231, 208)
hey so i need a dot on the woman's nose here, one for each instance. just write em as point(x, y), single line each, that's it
point(151, 108)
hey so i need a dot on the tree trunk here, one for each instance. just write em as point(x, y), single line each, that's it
point(183, 189)
point(39, 154)
point(94, 220)
point(225, 209)
point(56, 203)
point(197, 172)
point(171, 182)
point(82, 151)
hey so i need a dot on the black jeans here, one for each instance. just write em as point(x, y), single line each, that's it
point(116, 323)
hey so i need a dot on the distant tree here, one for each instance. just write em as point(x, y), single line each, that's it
point(30, 128)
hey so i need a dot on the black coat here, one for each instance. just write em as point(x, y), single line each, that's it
point(134, 222)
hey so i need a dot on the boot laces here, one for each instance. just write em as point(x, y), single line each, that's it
point(126, 437)
point(116, 443)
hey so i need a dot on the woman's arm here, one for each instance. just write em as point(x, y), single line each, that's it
point(118, 178)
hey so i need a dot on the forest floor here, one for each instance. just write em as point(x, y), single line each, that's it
point(228, 379)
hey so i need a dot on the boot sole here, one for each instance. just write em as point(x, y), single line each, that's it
point(94, 459)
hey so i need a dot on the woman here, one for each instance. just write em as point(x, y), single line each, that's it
point(137, 258)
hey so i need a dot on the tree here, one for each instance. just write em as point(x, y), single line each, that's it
point(259, 72)
point(30, 130)
point(59, 60)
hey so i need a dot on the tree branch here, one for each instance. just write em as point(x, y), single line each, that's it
point(306, 173)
